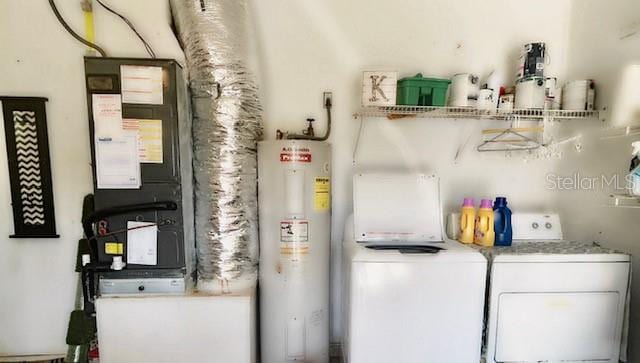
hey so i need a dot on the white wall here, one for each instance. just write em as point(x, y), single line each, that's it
point(600, 50)
point(38, 58)
point(307, 47)
point(302, 49)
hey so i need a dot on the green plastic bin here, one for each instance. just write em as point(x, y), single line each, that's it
point(421, 91)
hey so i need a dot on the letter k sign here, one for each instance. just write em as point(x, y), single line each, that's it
point(376, 81)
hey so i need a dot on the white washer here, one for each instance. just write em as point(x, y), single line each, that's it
point(408, 307)
point(555, 300)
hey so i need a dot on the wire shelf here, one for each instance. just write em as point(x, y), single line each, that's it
point(624, 201)
point(396, 112)
point(619, 132)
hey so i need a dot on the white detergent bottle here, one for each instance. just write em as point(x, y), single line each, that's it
point(634, 170)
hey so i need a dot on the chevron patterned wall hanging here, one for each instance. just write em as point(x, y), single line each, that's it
point(25, 127)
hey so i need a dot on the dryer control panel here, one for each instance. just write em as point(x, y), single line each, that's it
point(532, 227)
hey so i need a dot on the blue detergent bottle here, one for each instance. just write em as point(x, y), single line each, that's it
point(502, 222)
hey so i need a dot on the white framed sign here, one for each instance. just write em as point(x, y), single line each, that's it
point(379, 88)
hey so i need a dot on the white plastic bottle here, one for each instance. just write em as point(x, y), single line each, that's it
point(634, 170)
point(495, 81)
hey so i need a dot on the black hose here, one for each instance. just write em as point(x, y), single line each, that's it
point(88, 220)
point(73, 33)
point(133, 28)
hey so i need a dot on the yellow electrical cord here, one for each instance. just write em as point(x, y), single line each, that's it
point(89, 30)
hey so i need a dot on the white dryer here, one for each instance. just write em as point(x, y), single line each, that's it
point(555, 301)
point(408, 307)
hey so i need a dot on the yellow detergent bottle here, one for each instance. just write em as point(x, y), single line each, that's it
point(467, 221)
point(485, 234)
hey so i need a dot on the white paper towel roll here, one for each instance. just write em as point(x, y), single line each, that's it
point(626, 104)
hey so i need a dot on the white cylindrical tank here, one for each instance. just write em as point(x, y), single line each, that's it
point(294, 202)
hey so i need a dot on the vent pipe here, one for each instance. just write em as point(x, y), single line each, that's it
point(226, 127)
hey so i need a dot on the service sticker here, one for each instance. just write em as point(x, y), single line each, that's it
point(322, 194)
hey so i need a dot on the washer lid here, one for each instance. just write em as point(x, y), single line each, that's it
point(399, 208)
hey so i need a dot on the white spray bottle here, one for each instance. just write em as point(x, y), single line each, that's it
point(634, 169)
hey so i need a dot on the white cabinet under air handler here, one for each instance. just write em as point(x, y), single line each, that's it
point(177, 328)
point(295, 227)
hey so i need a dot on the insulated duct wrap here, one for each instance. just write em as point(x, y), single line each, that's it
point(226, 127)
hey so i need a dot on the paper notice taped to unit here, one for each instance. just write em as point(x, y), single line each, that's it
point(149, 139)
point(142, 243)
point(107, 115)
point(117, 165)
point(141, 84)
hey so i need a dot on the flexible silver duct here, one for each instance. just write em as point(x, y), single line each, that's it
point(226, 127)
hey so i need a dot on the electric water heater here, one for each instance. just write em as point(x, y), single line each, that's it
point(294, 199)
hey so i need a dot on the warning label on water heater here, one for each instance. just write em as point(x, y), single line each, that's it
point(294, 239)
point(294, 230)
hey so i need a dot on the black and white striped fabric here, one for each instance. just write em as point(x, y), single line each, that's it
point(26, 135)
point(29, 167)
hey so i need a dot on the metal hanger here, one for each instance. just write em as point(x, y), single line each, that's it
point(521, 142)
